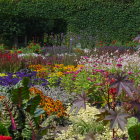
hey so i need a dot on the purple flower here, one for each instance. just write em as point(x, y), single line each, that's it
point(11, 80)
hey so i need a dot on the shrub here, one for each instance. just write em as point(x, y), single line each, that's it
point(3, 130)
point(134, 132)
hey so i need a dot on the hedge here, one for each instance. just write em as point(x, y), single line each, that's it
point(107, 21)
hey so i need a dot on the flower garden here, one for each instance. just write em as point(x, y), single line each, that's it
point(94, 96)
point(69, 69)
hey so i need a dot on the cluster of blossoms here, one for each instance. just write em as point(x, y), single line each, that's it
point(57, 70)
point(49, 105)
point(9, 62)
point(11, 79)
point(125, 62)
point(38, 68)
point(29, 55)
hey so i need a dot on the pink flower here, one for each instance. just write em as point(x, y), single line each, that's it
point(49, 63)
point(119, 59)
point(73, 79)
point(93, 73)
point(99, 70)
point(89, 78)
point(108, 63)
point(119, 65)
point(74, 76)
point(85, 57)
point(130, 72)
point(98, 62)
point(76, 72)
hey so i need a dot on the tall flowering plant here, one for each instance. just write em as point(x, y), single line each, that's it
point(9, 62)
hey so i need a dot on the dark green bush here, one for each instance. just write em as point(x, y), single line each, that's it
point(118, 20)
point(134, 132)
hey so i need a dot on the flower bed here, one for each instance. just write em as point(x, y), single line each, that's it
point(47, 100)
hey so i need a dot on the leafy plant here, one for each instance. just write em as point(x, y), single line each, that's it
point(117, 118)
point(20, 113)
point(134, 132)
point(80, 102)
point(34, 48)
point(121, 82)
point(83, 128)
point(3, 130)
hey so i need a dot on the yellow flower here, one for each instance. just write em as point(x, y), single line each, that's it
point(2, 74)
point(14, 75)
point(59, 74)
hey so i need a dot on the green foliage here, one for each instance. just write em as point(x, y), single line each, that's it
point(81, 81)
point(134, 132)
point(67, 83)
point(19, 95)
point(33, 48)
point(29, 130)
point(84, 81)
point(2, 47)
point(101, 19)
point(12, 118)
point(3, 130)
point(32, 104)
point(84, 128)
point(18, 113)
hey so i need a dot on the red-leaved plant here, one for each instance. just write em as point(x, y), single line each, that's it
point(122, 102)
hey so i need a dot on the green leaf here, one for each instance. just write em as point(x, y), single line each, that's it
point(38, 112)
point(32, 104)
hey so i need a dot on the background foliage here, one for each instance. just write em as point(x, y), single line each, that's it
point(105, 20)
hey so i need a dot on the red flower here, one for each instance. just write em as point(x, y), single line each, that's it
point(5, 138)
point(112, 91)
point(112, 80)
point(19, 51)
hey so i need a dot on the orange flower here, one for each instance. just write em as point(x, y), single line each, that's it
point(48, 104)
point(2, 97)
